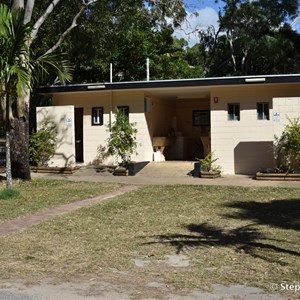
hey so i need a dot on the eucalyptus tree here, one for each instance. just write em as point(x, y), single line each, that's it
point(124, 33)
point(19, 133)
point(249, 36)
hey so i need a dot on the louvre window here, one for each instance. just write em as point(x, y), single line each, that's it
point(234, 112)
point(97, 116)
point(263, 111)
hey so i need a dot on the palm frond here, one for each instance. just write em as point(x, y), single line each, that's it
point(56, 63)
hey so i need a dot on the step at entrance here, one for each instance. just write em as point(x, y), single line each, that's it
point(167, 169)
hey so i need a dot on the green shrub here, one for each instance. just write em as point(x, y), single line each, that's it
point(122, 140)
point(42, 144)
point(287, 147)
point(7, 194)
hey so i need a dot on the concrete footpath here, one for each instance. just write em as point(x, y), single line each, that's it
point(167, 173)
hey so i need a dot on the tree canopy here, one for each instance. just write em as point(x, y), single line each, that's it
point(254, 37)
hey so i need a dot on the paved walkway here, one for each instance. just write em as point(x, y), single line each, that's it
point(22, 223)
point(167, 173)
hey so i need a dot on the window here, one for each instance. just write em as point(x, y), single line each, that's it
point(97, 116)
point(124, 110)
point(201, 118)
point(234, 112)
point(263, 111)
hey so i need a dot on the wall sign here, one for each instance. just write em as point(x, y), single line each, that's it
point(69, 122)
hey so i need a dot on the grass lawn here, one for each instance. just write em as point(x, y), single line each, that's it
point(228, 235)
point(39, 194)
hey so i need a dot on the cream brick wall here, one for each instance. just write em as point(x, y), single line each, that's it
point(245, 146)
point(288, 108)
point(242, 146)
point(63, 117)
point(97, 135)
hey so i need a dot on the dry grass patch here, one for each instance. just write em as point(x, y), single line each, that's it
point(39, 194)
point(231, 235)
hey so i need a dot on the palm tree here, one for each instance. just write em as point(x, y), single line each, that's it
point(18, 72)
point(15, 75)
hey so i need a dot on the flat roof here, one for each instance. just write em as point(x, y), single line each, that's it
point(175, 83)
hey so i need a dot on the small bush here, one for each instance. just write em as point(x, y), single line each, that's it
point(287, 147)
point(122, 140)
point(9, 194)
point(42, 144)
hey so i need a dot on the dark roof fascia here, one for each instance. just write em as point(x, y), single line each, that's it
point(176, 83)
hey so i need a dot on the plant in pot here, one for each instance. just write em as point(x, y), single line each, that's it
point(208, 167)
point(122, 141)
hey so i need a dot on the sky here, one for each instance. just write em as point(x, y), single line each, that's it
point(207, 15)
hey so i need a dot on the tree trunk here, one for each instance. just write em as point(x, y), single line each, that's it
point(19, 138)
point(230, 41)
point(7, 144)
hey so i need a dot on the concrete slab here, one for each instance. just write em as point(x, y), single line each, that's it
point(169, 173)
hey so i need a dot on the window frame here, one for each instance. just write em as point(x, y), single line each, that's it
point(201, 118)
point(100, 116)
point(234, 116)
point(264, 114)
point(124, 109)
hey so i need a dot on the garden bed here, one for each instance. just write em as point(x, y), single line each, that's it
point(278, 176)
point(210, 175)
point(55, 170)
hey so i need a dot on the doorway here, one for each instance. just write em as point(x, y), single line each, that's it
point(79, 134)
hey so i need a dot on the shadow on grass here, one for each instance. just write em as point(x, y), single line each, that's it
point(279, 213)
point(243, 239)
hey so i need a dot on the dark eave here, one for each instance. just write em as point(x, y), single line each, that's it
point(198, 82)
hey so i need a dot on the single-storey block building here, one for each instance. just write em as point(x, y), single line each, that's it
point(235, 117)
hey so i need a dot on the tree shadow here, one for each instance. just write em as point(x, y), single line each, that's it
point(244, 239)
point(283, 214)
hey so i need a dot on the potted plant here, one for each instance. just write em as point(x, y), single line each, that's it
point(122, 141)
point(208, 168)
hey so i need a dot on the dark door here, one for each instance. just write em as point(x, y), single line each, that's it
point(79, 134)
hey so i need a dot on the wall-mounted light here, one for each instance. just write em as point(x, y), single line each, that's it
point(96, 87)
point(255, 80)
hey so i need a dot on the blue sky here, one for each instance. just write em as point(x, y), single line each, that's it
point(207, 15)
point(199, 4)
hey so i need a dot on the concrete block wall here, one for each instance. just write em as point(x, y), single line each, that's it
point(63, 117)
point(230, 139)
point(98, 135)
point(283, 110)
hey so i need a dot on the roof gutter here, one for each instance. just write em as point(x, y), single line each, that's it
point(177, 83)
